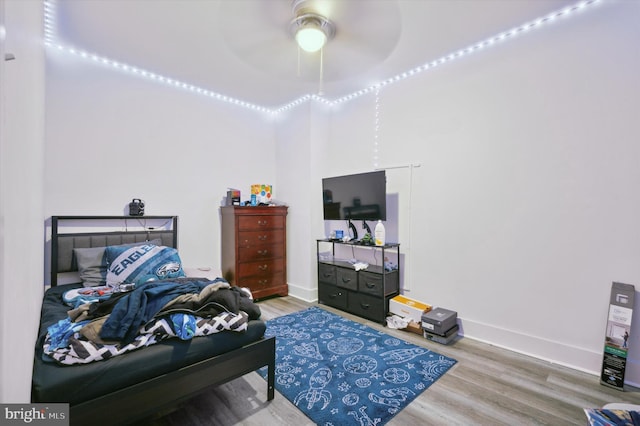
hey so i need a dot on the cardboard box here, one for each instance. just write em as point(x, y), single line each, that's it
point(439, 321)
point(614, 361)
point(414, 327)
point(408, 308)
point(448, 337)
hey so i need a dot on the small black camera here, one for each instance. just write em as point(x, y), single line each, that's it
point(136, 207)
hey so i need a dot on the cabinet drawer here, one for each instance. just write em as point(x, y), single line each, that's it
point(254, 238)
point(367, 306)
point(260, 267)
point(260, 282)
point(326, 274)
point(254, 223)
point(377, 284)
point(332, 295)
point(347, 278)
point(248, 254)
point(370, 283)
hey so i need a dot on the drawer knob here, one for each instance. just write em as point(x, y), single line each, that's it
point(263, 267)
point(365, 305)
point(263, 252)
point(263, 222)
point(263, 237)
point(346, 280)
point(370, 285)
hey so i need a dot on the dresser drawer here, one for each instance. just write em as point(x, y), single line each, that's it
point(254, 238)
point(254, 223)
point(249, 254)
point(332, 295)
point(260, 267)
point(326, 274)
point(374, 284)
point(367, 306)
point(370, 283)
point(347, 278)
point(261, 282)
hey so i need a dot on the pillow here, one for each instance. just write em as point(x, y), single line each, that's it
point(142, 263)
point(92, 265)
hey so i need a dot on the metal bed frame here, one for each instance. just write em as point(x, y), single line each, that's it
point(151, 396)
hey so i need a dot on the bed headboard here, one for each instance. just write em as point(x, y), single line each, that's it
point(98, 231)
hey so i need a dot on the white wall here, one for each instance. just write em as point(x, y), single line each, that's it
point(21, 190)
point(112, 137)
point(301, 138)
point(349, 149)
point(525, 207)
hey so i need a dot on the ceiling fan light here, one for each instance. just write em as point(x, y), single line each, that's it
point(310, 38)
point(311, 31)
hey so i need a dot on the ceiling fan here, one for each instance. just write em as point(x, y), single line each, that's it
point(310, 29)
point(353, 36)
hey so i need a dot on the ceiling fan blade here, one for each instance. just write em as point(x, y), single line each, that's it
point(366, 30)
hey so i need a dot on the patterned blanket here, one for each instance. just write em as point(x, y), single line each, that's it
point(82, 351)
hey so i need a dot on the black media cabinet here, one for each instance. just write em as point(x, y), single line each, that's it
point(364, 293)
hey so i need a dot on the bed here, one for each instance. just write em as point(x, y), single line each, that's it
point(130, 386)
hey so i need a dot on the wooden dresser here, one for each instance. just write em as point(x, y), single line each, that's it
point(254, 251)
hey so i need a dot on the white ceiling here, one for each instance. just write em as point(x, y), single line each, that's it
point(243, 48)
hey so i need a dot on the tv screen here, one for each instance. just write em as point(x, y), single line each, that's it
point(355, 197)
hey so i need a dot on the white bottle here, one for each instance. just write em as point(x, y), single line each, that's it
point(379, 233)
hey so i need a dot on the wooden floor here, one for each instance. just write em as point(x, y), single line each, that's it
point(488, 386)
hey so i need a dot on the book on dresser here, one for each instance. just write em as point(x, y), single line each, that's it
point(254, 253)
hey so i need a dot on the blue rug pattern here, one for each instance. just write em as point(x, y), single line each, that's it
point(340, 372)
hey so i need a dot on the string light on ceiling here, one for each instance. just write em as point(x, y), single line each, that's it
point(328, 30)
point(535, 24)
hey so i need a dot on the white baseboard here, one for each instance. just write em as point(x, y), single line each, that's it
point(582, 359)
point(306, 294)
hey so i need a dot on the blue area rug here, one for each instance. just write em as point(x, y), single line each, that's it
point(340, 372)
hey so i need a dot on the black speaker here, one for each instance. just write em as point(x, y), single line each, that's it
point(136, 207)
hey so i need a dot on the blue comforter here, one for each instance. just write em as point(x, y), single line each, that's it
point(137, 307)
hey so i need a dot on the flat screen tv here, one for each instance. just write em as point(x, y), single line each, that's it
point(355, 197)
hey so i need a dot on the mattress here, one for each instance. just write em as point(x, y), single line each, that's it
point(73, 384)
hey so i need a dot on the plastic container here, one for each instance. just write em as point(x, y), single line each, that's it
point(379, 234)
